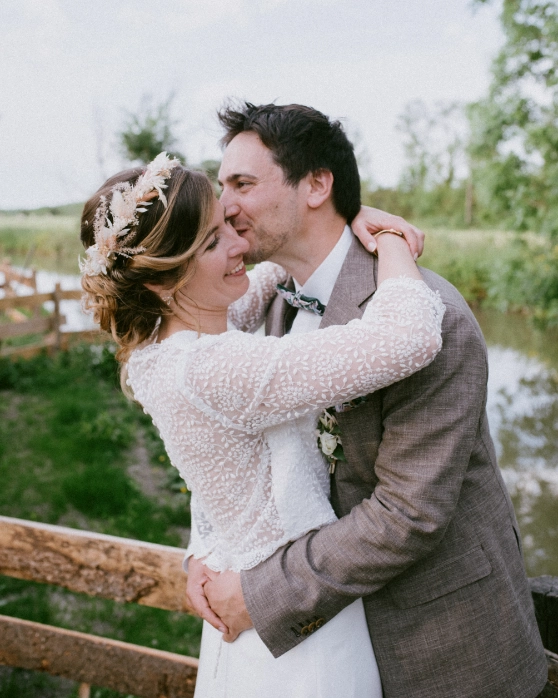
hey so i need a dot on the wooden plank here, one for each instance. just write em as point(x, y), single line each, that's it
point(25, 301)
point(21, 277)
point(551, 688)
point(70, 295)
point(544, 591)
point(29, 350)
point(37, 299)
point(68, 339)
point(19, 329)
point(121, 666)
point(94, 564)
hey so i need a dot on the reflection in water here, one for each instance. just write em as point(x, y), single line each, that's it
point(523, 414)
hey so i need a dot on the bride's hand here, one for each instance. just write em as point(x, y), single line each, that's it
point(372, 220)
point(198, 576)
point(224, 593)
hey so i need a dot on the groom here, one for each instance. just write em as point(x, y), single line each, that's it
point(427, 533)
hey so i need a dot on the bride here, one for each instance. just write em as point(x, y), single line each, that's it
point(164, 273)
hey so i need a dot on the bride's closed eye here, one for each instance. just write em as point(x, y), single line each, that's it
point(213, 244)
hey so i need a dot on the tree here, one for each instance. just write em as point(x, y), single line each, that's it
point(514, 142)
point(434, 142)
point(434, 138)
point(150, 131)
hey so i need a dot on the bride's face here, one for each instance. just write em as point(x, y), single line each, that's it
point(220, 275)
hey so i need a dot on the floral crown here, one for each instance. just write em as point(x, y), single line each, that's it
point(114, 236)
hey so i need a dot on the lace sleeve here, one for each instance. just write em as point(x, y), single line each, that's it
point(249, 382)
point(248, 312)
point(202, 535)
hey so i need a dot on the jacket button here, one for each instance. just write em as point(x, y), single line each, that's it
point(312, 627)
point(304, 631)
point(320, 622)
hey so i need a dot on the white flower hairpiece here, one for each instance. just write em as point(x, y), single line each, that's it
point(113, 236)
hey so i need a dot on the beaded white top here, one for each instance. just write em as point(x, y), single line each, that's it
point(238, 412)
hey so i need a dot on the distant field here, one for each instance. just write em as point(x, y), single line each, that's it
point(55, 240)
point(49, 242)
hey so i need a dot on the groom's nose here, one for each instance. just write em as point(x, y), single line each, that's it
point(232, 209)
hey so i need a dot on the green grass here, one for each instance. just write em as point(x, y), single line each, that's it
point(45, 241)
point(75, 452)
point(466, 258)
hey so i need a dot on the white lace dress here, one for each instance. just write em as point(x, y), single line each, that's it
point(238, 414)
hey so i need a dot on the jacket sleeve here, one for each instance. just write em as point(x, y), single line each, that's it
point(429, 425)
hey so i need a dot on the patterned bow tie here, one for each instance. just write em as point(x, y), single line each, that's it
point(299, 300)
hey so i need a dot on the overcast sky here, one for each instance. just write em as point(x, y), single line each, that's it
point(70, 69)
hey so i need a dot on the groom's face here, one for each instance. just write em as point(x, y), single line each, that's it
point(264, 210)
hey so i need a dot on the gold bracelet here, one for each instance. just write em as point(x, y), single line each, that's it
point(389, 230)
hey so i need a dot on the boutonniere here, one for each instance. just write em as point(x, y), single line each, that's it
point(329, 438)
point(329, 433)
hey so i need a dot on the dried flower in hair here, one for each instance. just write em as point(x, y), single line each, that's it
point(114, 235)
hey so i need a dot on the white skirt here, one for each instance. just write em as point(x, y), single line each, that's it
point(336, 661)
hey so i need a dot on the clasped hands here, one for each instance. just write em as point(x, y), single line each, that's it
point(217, 597)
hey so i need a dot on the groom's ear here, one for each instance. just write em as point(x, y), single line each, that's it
point(320, 184)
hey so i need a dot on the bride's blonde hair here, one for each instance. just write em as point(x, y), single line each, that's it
point(119, 299)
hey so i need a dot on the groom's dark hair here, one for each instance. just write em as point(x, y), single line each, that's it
point(302, 140)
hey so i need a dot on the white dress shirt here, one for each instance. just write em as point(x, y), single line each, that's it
point(321, 283)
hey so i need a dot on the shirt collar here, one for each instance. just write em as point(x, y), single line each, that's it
point(321, 282)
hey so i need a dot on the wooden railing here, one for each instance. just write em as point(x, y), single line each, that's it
point(144, 573)
point(14, 277)
point(98, 565)
point(34, 321)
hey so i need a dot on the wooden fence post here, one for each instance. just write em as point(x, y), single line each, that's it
point(84, 690)
point(57, 318)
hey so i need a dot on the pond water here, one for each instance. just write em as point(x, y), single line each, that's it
point(523, 415)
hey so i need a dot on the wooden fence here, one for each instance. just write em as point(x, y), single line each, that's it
point(144, 573)
point(106, 566)
point(25, 316)
point(13, 277)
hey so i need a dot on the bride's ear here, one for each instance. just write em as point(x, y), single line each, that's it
point(159, 289)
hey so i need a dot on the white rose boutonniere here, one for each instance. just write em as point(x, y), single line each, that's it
point(328, 442)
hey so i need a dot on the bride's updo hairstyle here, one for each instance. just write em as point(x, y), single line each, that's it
point(170, 236)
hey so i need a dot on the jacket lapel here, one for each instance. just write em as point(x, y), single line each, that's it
point(277, 314)
point(355, 284)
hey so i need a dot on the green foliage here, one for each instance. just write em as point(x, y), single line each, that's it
point(464, 257)
point(515, 128)
point(441, 206)
point(150, 131)
point(507, 271)
point(211, 169)
point(529, 280)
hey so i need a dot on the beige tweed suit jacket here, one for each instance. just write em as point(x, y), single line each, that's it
point(427, 532)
